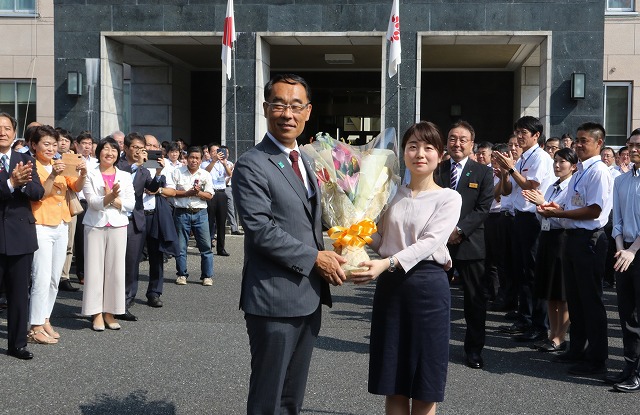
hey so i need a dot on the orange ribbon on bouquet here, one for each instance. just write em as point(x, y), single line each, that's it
point(356, 235)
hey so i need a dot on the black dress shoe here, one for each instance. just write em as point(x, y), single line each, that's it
point(474, 360)
point(65, 285)
point(547, 345)
point(154, 302)
point(223, 253)
point(237, 233)
point(127, 316)
point(632, 384)
point(515, 328)
point(588, 369)
point(622, 376)
point(531, 335)
point(20, 353)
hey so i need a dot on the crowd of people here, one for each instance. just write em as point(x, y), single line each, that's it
point(103, 205)
point(533, 227)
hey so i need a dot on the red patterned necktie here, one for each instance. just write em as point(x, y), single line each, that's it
point(293, 156)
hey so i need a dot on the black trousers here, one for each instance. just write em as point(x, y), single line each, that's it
point(156, 262)
point(532, 310)
point(281, 349)
point(135, 245)
point(78, 242)
point(509, 278)
point(492, 244)
point(583, 271)
point(628, 290)
point(475, 303)
point(15, 275)
point(217, 211)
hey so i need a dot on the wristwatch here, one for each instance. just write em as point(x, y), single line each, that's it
point(511, 171)
point(392, 264)
point(160, 190)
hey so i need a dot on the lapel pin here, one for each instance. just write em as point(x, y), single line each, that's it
point(468, 174)
point(281, 165)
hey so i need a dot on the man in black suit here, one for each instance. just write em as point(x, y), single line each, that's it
point(19, 185)
point(135, 151)
point(474, 182)
point(287, 272)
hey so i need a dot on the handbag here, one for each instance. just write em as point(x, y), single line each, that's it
point(75, 208)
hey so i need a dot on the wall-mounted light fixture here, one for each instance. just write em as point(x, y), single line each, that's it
point(75, 83)
point(578, 85)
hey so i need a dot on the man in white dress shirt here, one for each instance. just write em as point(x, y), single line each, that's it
point(584, 213)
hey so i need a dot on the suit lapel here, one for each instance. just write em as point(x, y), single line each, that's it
point(463, 180)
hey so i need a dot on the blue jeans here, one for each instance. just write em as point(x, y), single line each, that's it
point(198, 223)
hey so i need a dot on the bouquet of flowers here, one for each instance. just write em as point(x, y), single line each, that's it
point(356, 183)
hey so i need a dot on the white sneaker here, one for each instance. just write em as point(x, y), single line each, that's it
point(207, 282)
point(181, 280)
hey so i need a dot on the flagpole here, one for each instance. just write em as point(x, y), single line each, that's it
point(235, 106)
point(398, 110)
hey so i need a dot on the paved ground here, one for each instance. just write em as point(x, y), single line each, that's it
point(192, 357)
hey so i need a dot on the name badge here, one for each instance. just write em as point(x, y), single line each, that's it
point(577, 200)
point(545, 225)
point(473, 185)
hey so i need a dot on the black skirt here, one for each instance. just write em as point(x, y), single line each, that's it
point(549, 275)
point(410, 329)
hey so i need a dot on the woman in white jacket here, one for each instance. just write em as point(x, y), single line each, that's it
point(110, 200)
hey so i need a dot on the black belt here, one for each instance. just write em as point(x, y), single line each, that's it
point(521, 213)
point(219, 190)
point(149, 212)
point(190, 210)
point(582, 231)
point(506, 213)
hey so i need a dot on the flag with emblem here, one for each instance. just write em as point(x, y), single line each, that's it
point(228, 38)
point(393, 36)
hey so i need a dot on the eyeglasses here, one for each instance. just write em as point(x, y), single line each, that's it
point(280, 108)
point(462, 141)
point(136, 148)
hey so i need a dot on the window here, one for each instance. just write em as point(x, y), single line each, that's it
point(620, 5)
point(19, 99)
point(617, 112)
point(18, 6)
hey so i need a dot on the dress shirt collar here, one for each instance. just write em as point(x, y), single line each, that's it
point(525, 155)
point(583, 165)
point(462, 162)
point(285, 150)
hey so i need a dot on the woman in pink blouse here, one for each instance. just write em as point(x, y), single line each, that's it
point(409, 350)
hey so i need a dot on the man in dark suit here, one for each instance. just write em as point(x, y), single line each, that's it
point(474, 182)
point(135, 151)
point(19, 185)
point(286, 273)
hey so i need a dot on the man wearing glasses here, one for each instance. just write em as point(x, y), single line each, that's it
point(286, 272)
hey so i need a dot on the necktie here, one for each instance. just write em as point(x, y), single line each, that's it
point(293, 156)
point(5, 162)
point(454, 175)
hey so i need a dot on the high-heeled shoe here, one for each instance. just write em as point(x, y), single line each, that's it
point(40, 337)
point(48, 328)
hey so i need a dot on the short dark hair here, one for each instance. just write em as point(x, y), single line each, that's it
point(485, 144)
point(287, 78)
point(41, 131)
point(107, 141)
point(568, 154)
point(466, 125)
point(211, 145)
point(194, 149)
point(553, 139)
point(85, 135)
point(634, 132)
point(594, 129)
point(621, 149)
point(11, 118)
point(500, 147)
point(427, 132)
point(173, 146)
point(64, 133)
point(529, 123)
point(133, 136)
